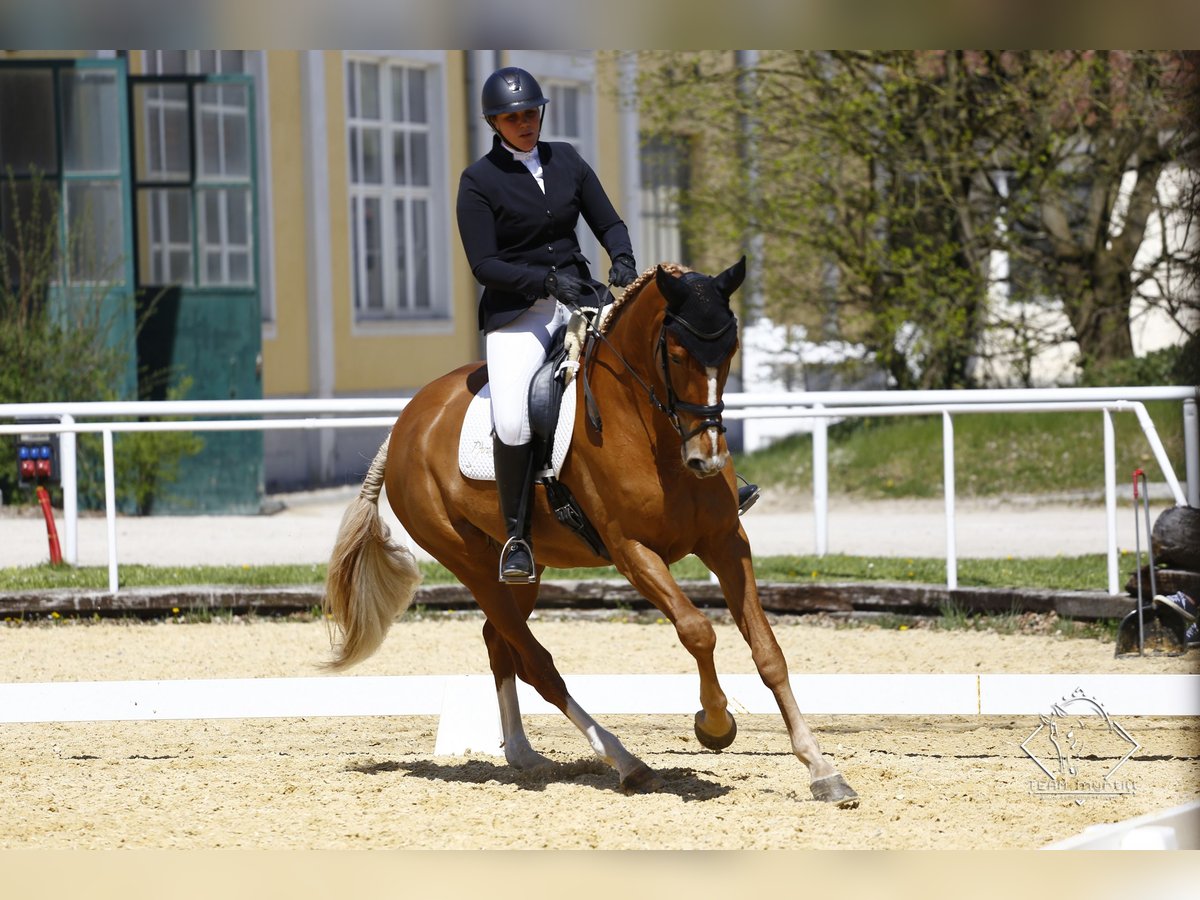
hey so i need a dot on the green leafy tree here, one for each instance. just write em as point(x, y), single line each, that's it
point(881, 184)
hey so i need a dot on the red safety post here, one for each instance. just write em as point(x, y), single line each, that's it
point(51, 531)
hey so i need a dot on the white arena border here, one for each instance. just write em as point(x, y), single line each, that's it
point(469, 718)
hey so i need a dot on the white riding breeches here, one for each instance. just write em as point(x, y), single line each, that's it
point(514, 352)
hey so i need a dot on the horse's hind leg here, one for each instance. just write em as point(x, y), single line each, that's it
point(732, 565)
point(505, 667)
point(534, 664)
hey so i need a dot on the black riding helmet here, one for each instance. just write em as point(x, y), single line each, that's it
point(510, 90)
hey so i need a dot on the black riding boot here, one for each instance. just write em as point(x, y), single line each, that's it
point(748, 495)
point(514, 476)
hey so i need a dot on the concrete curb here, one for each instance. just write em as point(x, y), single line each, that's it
point(847, 598)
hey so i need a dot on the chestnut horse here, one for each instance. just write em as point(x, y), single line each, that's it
point(655, 481)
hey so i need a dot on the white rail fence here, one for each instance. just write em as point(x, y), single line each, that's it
point(817, 408)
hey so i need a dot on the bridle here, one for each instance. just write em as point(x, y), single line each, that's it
point(710, 413)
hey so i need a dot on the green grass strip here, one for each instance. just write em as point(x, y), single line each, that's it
point(1057, 573)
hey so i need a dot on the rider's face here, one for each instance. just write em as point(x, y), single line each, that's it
point(520, 129)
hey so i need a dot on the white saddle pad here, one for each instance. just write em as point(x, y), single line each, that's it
point(475, 459)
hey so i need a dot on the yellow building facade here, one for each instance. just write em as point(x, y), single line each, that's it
point(361, 278)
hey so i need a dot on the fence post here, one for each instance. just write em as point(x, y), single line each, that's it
point(1110, 499)
point(948, 489)
point(821, 481)
point(110, 510)
point(69, 481)
point(1191, 453)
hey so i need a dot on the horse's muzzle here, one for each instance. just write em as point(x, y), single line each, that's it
point(700, 463)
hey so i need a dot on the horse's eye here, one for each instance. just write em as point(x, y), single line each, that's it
point(677, 357)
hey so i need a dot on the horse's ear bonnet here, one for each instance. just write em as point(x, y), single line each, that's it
point(698, 313)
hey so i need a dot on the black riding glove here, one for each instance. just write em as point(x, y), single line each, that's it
point(565, 287)
point(623, 271)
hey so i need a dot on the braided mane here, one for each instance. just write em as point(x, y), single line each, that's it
point(613, 310)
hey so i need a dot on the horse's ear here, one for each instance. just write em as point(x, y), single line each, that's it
point(731, 279)
point(670, 287)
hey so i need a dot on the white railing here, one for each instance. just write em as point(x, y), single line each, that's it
point(818, 407)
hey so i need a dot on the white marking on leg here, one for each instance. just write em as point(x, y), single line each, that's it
point(605, 745)
point(517, 750)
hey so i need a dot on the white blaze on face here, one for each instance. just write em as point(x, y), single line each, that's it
point(713, 433)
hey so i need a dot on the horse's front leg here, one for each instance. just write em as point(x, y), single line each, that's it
point(729, 559)
point(646, 571)
point(508, 628)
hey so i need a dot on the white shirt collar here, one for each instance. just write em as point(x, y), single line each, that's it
point(525, 156)
point(530, 160)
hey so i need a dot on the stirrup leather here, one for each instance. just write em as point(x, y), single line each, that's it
point(512, 544)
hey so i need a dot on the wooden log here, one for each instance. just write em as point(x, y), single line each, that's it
point(786, 598)
point(1166, 582)
point(1175, 538)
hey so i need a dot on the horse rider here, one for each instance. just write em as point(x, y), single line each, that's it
point(517, 210)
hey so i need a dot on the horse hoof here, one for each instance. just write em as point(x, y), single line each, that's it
point(642, 780)
point(715, 742)
point(834, 789)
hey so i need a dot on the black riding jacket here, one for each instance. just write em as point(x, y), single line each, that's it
point(514, 235)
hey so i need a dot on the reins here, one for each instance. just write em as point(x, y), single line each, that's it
point(711, 413)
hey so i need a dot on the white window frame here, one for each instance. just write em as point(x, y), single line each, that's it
point(437, 317)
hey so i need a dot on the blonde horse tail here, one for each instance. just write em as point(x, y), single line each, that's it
point(371, 579)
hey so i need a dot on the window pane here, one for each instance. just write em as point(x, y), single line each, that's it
point(570, 109)
point(222, 114)
point(419, 144)
point(239, 268)
point(399, 90)
point(210, 217)
point(372, 163)
point(95, 230)
point(369, 76)
point(180, 269)
point(166, 256)
point(417, 111)
point(402, 259)
point(373, 254)
point(356, 249)
point(206, 62)
point(164, 132)
point(179, 216)
point(420, 254)
point(237, 144)
point(352, 90)
point(212, 268)
point(90, 117)
point(208, 156)
point(238, 227)
point(355, 165)
point(27, 130)
point(399, 158)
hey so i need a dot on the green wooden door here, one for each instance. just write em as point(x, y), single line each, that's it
point(196, 226)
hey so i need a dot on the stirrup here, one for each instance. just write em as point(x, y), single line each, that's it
point(748, 495)
point(517, 576)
